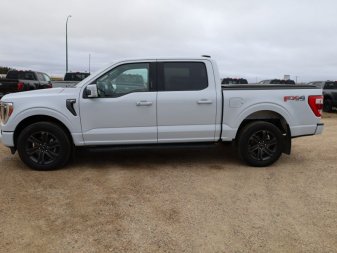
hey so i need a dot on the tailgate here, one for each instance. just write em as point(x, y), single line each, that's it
point(8, 86)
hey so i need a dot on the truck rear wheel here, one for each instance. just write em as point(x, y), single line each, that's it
point(44, 146)
point(260, 143)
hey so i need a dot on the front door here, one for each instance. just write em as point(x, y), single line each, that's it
point(125, 111)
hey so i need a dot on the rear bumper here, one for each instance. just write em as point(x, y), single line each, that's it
point(319, 128)
point(7, 138)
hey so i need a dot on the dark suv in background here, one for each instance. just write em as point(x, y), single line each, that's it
point(24, 80)
point(229, 80)
point(329, 93)
point(76, 76)
point(277, 81)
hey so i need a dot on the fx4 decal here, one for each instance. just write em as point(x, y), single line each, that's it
point(293, 98)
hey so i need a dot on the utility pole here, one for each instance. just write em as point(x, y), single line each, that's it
point(89, 62)
point(69, 16)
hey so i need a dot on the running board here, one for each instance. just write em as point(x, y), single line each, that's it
point(152, 146)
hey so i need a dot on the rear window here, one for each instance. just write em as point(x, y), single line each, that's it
point(276, 81)
point(290, 82)
point(330, 85)
point(183, 76)
point(12, 75)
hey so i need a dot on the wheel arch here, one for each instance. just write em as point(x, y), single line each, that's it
point(40, 118)
point(272, 117)
point(266, 115)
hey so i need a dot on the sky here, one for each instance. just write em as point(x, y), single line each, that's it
point(253, 39)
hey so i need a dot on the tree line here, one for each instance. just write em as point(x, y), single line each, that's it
point(4, 70)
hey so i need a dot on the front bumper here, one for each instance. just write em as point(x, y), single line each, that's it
point(7, 138)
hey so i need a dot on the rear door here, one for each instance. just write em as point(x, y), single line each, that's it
point(42, 82)
point(186, 102)
point(30, 80)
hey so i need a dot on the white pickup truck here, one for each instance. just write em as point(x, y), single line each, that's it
point(158, 102)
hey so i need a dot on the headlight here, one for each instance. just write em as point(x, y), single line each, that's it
point(6, 110)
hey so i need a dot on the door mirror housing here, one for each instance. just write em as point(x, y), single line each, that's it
point(91, 91)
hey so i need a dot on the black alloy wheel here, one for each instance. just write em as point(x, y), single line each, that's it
point(260, 143)
point(44, 146)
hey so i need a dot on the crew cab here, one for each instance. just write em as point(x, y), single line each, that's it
point(22, 80)
point(158, 102)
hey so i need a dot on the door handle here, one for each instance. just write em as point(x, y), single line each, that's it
point(144, 103)
point(204, 101)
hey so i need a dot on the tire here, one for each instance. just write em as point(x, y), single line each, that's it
point(327, 105)
point(260, 144)
point(44, 146)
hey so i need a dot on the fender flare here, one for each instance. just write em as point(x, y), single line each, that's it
point(271, 107)
point(40, 111)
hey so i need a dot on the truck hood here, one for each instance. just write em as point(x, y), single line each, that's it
point(40, 93)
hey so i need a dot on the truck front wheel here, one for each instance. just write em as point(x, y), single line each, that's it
point(44, 146)
point(260, 143)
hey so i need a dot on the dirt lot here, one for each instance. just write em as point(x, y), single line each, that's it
point(174, 201)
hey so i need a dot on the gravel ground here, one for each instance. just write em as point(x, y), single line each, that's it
point(202, 200)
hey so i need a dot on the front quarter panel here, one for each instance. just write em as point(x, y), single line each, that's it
point(52, 105)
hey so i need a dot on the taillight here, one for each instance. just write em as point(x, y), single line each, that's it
point(316, 104)
point(20, 86)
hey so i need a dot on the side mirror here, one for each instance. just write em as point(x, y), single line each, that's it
point(91, 91)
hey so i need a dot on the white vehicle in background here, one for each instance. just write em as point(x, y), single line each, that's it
point(71, 79)
point(158, 102)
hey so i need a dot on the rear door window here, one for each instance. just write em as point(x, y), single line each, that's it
point(29, 76)
point(12, 75)
point(182, 76)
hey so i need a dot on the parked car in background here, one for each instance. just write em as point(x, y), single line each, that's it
point(70, 79)
point(76, 76)
point(329, 93)
point(229, 80)
point(277, 81)
point(23, 80)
